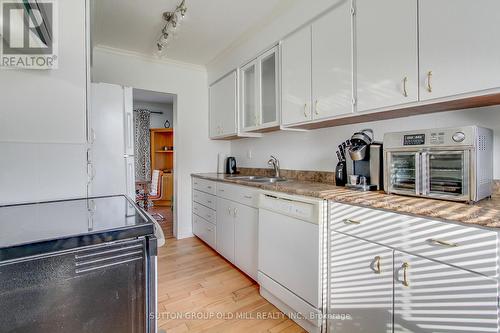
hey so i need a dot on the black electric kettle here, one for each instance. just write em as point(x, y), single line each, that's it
point(231, 165)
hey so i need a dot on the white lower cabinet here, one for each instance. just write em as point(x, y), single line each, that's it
point(225, 229)
point(204, 229)
point(237, 234)
point(228, 222)
point(246, 239)
point(361, 286)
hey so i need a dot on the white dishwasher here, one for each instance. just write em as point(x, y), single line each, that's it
point(290, 255)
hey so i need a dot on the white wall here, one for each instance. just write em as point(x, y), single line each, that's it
point(315, 150)
point(194, 151)
point(157, 120)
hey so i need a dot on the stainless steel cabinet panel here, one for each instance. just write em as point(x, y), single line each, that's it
point(360, 286)
point(433, 297)
point(471, 248)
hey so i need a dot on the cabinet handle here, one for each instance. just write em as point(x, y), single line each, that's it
point(405, 91)
point(305, 111)
point(377, 262)
point(316, 107)
point(247, 196)
point(429, 83)
point(441, 242)
point(209, 187)
point(406, 281)
point(229, 210)
point(209, 201)
point(347, 221)
point(235, 212)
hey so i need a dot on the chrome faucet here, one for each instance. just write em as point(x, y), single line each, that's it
point(275, 163)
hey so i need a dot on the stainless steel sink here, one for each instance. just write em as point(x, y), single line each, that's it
point(247, 178)
point(271, 180)
point(258, 179)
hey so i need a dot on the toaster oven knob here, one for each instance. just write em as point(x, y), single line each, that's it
point(458, 137)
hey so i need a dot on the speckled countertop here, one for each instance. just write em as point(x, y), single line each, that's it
point(484, 213)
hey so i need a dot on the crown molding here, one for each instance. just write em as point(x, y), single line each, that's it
point(148, 58)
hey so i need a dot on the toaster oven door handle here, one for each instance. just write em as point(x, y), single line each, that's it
point(424, 173)
point(418, 180)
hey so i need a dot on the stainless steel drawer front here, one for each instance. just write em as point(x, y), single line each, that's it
point(471, 248)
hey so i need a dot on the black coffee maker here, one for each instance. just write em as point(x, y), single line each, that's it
point(231, 165)
point(364, 162)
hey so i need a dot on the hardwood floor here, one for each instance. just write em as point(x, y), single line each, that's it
point(167, 224)
point(199, 291)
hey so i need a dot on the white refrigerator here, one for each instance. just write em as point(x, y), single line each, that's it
point(111, 161)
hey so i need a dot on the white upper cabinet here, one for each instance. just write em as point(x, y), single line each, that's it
point(269, 88)
point(223, 107)
point(332, 63)
point(459, 48)
point(386, 52)
point(259, 92)
point(296, 77)
point(250, 116)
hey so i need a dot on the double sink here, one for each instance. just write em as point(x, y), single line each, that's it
point(259, 179)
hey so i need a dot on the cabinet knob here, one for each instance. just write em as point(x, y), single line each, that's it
point(406, 281)
point(429, 83)
point(441, 242)
point(405, 91)
point(377, 265)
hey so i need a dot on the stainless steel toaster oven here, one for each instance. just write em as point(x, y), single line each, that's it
point(447, 163)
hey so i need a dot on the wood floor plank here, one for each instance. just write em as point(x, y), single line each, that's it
point(199, 291)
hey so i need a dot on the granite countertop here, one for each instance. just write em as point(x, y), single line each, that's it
point(484, 213)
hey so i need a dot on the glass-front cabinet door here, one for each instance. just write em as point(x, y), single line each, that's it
point(446, 173)
point(259, 92)
point(269, 87)
point(249, 96)
point(403, 172)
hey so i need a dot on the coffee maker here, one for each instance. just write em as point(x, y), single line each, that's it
point(364, 162)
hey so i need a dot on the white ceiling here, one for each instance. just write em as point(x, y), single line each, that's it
point(210, 26)
point(141, 95)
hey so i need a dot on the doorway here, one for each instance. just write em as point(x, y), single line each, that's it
point(155, 155)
